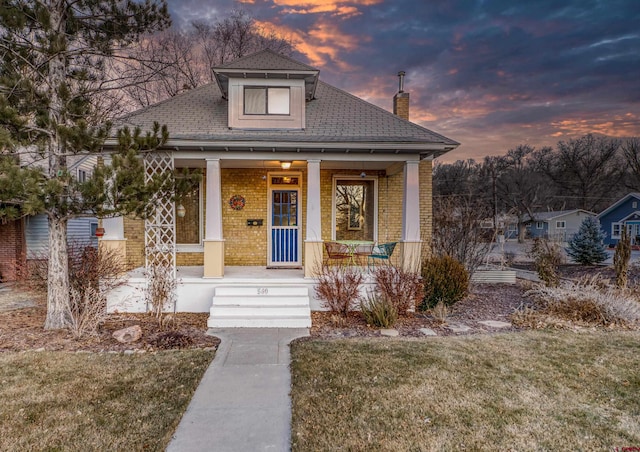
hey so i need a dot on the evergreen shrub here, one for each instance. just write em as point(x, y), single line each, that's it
point(445, 279)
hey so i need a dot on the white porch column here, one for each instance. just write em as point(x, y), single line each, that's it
point(213, 239)
point(410, 258)
point(113, 239)
point(313, 237)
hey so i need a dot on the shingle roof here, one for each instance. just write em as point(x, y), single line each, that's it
point(546, 216)
point(267, 60)
point(334, 116)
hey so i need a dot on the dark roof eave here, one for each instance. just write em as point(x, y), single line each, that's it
point(435, 149)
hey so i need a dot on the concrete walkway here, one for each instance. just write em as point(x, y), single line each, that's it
point(242, 402)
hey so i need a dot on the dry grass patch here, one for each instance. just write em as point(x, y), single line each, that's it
point(95, 401)
point(538, 390)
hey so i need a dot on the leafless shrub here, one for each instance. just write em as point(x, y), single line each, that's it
point(339, 288)
point(379, 310)
point(160, 291)
point(590, 301)
point(402, 288)
point(621, 259)
point(87, 311)
point(457, 232)
point(93, 273)
point(547, 255)
point(440, 312)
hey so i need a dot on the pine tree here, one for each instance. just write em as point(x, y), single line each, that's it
point(57, 69)
point(586, 247)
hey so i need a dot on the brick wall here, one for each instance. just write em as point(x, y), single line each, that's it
point(134, 233)
point(12, 249)
point(244, 245)
point(426, 206)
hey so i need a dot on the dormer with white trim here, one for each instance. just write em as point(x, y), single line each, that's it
point(262, 94)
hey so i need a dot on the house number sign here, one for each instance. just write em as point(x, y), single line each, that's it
point(263, 291)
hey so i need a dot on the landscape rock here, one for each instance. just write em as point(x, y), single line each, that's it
point(128, 335)
point(428, 332)
point(458, 328)
point(495, 324)
point(389, 333)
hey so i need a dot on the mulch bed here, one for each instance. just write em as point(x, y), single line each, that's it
point(22, 329)
point(485, 302)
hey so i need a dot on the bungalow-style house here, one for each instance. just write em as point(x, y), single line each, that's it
point(560, 225)
point(289, 163)
point(625, 211)
point(28, 237)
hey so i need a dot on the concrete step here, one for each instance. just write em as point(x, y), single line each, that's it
point(262, 291)
point(228, 300)
point(259, 323)
point(250, 306)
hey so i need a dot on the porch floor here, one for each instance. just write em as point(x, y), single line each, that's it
point(232, 273)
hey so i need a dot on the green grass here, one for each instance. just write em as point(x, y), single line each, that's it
point(527, 391)
point(95, 401)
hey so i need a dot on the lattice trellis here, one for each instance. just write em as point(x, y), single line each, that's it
point(159, 231)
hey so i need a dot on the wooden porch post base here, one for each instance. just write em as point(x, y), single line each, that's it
point(312, 258)
point(214, 258)
point(410, 256)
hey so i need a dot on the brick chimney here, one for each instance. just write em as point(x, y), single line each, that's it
point(401, 99)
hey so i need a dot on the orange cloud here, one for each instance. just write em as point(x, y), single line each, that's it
point(345, 8)
point(620, 125)
point(322, 42)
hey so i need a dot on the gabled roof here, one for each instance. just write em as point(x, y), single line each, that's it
point(616, 204)
point(547, 216)
point(334, 119)
point(267, 64)
point(267, 59)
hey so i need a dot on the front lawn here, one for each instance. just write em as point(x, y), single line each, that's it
point(537, 390)
point(95, 401)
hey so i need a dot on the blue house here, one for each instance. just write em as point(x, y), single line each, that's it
point(625, 211)
point(559, 225)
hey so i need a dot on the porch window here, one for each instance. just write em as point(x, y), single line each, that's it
point(560, 225)
point(188, 227)
point(262, 100)
point(355, 209)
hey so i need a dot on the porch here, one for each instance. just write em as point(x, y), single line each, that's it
point(247, 295)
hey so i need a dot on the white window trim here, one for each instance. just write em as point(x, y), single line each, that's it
point(354, 177)
point(266, 88)
point(564, 224)
point(539, 224)
point(195, 247)
point(613, 228)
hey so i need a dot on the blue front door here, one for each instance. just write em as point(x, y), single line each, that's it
point(285, 232)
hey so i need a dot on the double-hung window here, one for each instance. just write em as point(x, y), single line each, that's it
point(266, 100)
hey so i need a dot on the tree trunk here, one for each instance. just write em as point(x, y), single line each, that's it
point(58, 276)
point(522, 231)
point(58, 269)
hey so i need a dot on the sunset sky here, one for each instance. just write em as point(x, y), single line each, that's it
point(489, 74)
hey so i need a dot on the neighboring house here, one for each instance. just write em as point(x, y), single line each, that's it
point(559, 225)
point(289, 162)
point(625, 212)
point(507, 226)
point(28, 237)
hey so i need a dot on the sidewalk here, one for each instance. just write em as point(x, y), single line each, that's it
point(242, 402)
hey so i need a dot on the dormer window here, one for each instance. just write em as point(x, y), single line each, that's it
point(264, 100)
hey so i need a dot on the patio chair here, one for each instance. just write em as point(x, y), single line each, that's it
point(363, 251)
point(382, 252)
point(337, 252)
